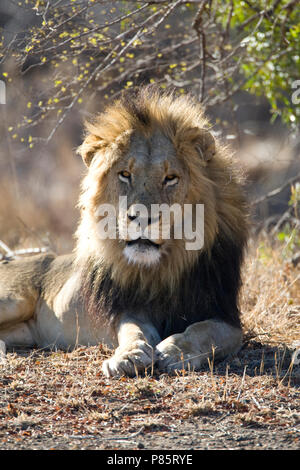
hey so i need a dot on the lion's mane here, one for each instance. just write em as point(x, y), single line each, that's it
point(188, 286)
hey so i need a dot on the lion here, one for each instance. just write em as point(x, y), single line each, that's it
point(152, 300)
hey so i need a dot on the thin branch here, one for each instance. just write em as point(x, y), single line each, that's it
point(94, 74)
point(276, 191)
point(8, 251)
point(12, 254)
point(89, 32)
point(197, 25)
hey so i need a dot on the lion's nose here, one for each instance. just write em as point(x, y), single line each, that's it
point(132, 213)
point(132, 216)
point(145, 220)
point(142, 215)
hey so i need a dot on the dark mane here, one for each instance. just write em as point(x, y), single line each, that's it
point(209, 290)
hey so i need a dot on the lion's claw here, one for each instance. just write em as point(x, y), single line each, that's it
point(130, 361)
point(172, 356)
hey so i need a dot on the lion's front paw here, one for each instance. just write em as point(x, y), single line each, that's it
point(137, 358)
point(175, 352)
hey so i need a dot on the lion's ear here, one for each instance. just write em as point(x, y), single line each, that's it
point(88, 148)
point(204, 143)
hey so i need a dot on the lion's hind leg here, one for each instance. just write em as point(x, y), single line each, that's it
point(15, 330)
point(15, 310)
point(20, 282)
point(199, 342)
point(15, 319)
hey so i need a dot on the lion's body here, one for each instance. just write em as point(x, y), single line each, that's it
point(156, 301)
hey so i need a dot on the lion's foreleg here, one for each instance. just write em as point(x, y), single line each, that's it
point(135, 353)
point(200, 341)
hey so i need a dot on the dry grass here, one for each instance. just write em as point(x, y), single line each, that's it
point(270, 298)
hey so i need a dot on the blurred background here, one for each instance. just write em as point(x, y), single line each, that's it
point(63, 60)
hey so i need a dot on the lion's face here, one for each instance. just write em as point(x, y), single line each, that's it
point(153, 149)
point(147, 175)
point(144, 176)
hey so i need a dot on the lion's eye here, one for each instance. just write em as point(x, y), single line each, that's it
point(171, 180)
point(124, 176)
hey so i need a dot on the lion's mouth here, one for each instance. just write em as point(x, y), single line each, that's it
point(143, 243)
point(142, 251)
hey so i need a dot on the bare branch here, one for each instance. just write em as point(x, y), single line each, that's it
point(276, 191)
point(87, 48)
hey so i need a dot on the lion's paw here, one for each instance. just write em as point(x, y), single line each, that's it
point(130, 361)
point(175, 353)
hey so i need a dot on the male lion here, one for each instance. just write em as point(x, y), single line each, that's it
point(157, 301)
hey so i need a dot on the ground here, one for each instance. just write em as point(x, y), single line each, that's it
point(61, 400)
